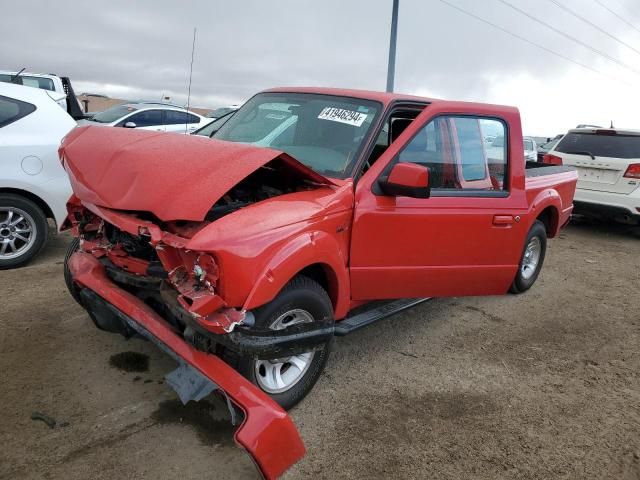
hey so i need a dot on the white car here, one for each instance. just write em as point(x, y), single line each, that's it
point(52, 83)
point(33, 185)
point(530, 149)
point(160, 117)
point(608, 164)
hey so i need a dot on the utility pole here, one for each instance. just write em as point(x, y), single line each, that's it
point(391, 71)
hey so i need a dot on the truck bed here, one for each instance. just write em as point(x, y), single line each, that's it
point(544, 181)
point(535, 169)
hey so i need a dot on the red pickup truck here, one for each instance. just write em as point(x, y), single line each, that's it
point(308, 214)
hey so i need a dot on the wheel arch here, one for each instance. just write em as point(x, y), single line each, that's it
point(546, 207)
point(314, 254)
point(42, 205)
point(325, 276)
point(550, 217)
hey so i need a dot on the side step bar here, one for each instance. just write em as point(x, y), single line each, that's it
point(368, 317)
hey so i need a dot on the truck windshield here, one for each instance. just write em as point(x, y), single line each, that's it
point(324, 132)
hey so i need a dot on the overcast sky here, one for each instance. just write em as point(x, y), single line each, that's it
point(142, 49)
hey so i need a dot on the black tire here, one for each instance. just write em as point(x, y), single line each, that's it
point(74, 290)
point(35, 218)
point(524, 280)
point(301, 293)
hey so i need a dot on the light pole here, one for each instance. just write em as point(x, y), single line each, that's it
point(391, 70)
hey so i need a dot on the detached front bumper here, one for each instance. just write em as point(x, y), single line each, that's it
point(267, 432)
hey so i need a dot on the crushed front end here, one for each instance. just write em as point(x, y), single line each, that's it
point(135, 276)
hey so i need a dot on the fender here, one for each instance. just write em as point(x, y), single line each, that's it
point(547, 198)
point(309, 248)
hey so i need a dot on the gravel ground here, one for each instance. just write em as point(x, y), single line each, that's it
point(537, 386)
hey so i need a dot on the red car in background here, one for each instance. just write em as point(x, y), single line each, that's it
point(310, 213)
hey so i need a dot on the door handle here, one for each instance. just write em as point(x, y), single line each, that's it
point(503, 220)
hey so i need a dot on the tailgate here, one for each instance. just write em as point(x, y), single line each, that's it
point(267, 432)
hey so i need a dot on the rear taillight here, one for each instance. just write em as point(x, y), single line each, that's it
point(633, 171)
point(551, 159)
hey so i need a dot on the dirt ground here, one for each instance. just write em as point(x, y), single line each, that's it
point(537, 386)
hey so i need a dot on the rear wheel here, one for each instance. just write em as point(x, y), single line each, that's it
point(532, 258)
point(288, 380)
point(23, 230)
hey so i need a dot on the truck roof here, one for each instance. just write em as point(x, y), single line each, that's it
point(29, 94)
point(383, 97)
point(31, 74)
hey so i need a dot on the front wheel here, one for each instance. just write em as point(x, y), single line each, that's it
point(288, 380)
point(532, 258)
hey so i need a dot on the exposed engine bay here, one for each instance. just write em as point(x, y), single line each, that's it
point(136, 246)
point(149, 256)
point(272, 180)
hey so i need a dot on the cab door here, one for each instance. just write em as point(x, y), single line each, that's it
point(466, 238)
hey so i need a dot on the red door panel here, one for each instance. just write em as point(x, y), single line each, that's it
point(440, 246)
point(406, 247)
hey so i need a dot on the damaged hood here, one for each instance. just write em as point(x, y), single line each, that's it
point(175, 177)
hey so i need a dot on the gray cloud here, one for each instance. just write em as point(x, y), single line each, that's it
point(142, 49)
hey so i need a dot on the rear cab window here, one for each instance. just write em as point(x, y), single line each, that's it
point(38, 82)
point(29, 81)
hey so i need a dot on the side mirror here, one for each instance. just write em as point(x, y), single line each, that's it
point(130, 125)
point(407, 180)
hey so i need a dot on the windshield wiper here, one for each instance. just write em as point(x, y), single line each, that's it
point(583, 152)
point(15, 77)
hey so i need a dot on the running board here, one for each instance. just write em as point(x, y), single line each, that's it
point(368, 317)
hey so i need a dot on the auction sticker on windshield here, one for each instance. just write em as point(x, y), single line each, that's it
point(350, 117)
